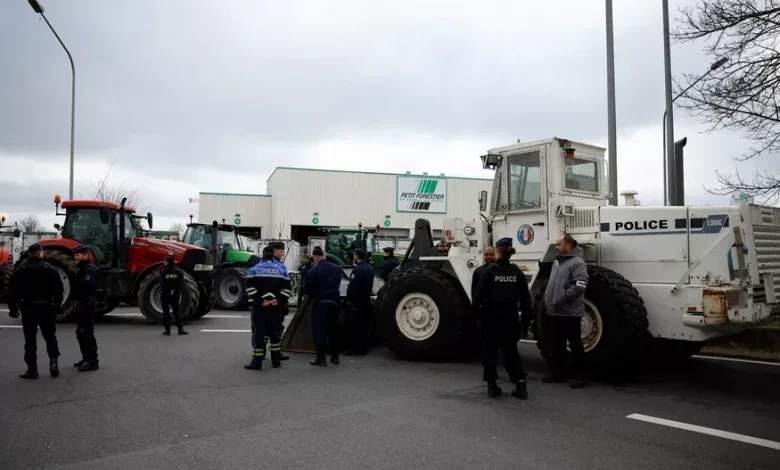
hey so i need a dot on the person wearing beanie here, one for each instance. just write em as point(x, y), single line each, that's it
point(171, 284)
point(85, 297)
point(268, 289)
point(36, 288)
point(502, 287)
point(389, 264)
point(324, 286)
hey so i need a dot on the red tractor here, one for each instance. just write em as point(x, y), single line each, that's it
point(128, 261)
point(6, 257)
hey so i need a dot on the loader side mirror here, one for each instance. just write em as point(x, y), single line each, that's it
point(483, 200)
point(149, 220)
point(17, 233)
point(105, 215)
point(57, 227)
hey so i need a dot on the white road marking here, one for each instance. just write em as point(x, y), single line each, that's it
point(123, 315)
point(734, 359)
point(226, 316)
point(10, 326)
point(4, 310)
point(226, 331)
point(709, 431)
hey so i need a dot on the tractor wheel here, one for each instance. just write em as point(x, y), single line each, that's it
point(422, 315)
point(151, 303)
point(229, 289)
point(614, 329)
point(205, 304)
point(111, 304)
point(64, 265)
point(7, 271)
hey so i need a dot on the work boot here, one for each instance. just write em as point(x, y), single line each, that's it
point(282, 357)
point(30, 374)
point(276, 360)
point(493, 389)
point(256, 364)
point(319, 361)
point(554, 379)
point(334, 359)
point(79, 364)
point(167, 332)
point(521, 390)
point(89, 366)
point(578, 383)
point(182, 332)
point(54, 369)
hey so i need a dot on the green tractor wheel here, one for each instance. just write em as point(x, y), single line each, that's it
point(229, 289)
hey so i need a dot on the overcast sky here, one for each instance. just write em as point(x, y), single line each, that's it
point(196, 95)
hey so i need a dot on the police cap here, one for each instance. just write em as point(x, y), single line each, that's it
point(276, 245)
point(388, 250)
point(317, 251)
point(506, 241)
point(35, 248)
point(81, 249)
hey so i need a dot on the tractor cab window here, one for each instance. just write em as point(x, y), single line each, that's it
point(83, 224)
point(581, 174)
point(524, 173)
point(227, 240)
point(131, 227)
point(196, 235)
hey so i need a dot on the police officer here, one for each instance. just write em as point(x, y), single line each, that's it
point(324, 286)
point(171, 285)
point(308, 263)
point(278, 250)
point(268, 289)
point(502, 287)
point(84, 308)
point(388, 265)
point(361, 286)
point(37, 289)
point(489, 257)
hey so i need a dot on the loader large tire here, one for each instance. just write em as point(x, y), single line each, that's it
point(151, 303)
point(65, 266)
point(422, 315)
point(229, 289)
point(614, 329)
point(6, 271)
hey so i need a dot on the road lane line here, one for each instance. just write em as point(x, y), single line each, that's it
point(10, 326)
point(226, 316)
point(709, 431)
point(123, 315)
point(226, 331)
point(734, 359)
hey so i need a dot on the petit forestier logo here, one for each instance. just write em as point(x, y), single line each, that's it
point(422, 197)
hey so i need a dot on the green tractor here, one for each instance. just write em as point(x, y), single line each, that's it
point(341, 243)
point(231, 261)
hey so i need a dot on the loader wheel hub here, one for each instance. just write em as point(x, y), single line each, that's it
point(591, 326)
point(417, 316)
point(65, 283)
point(230, 289)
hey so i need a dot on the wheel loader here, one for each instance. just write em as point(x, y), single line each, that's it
point(128, 261)
point(6, 255)
point(663, 280)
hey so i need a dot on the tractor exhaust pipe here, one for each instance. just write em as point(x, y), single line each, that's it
point(122, 242)
point(214, 229)
point(679, 173)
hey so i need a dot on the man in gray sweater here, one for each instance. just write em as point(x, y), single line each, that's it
point(565, 302)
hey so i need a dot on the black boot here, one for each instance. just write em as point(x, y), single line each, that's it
point(30, 374)
point(554, 378)
point(282, 357)
point(54, 369)
point(79, 364)
point(167, 332)
point(521, 390)
point(89, 366)
point(493, 389)
point(319, 361)
point(256, 364)
point(578, 383)
point(276, 360)
point(182, 332)
point(334, 359)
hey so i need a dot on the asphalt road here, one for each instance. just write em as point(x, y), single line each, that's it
point(186, 402)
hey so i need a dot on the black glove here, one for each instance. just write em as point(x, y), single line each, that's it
point(13, 313)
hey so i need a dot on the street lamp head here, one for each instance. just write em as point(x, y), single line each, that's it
point(37, 7)
point(718, 63)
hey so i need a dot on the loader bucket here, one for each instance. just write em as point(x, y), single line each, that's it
point(297, 336)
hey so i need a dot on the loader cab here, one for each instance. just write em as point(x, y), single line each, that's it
point(537, 188)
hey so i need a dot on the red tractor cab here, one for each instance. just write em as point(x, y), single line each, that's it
point(128, 261)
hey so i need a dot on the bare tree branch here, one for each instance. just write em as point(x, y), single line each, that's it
point(178, 228)
point(31, 224)
point(104, 190)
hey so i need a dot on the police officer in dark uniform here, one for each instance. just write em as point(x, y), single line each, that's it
point(359, 313)
point(308, 263)
point(489, 256)
point(268, 288)
point(388, 265)
point(324, 286)
point(84, 308)
point(37, 289)
point(502, 288)
point(171, 285)
point(278, 248)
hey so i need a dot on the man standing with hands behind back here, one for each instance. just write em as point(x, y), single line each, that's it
point(171, 283)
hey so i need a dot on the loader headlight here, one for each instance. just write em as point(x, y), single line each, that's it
point(203, 267)
point(469, 230)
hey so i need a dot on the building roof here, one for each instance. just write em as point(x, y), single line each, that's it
point(374, 173)
point(234, 194)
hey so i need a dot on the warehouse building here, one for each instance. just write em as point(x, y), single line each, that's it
point(300, 203)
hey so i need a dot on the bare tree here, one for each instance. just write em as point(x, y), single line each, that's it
point(178, 228)
point(104, 190)
point(742, 95)
point(31, 224)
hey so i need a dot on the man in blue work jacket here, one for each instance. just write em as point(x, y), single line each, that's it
point(324, 286)
point(359, 311)
point(268, 289)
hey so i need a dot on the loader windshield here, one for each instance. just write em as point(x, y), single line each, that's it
point(581, 174)
point(525, 181)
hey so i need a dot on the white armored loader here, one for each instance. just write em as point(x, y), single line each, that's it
point(663, 280)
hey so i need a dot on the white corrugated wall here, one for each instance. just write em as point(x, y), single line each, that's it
point(253, 210)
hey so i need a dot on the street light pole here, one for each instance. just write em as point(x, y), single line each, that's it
point(670, 178)
point(714, 66)
point(38, 8)
point(611, 124)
